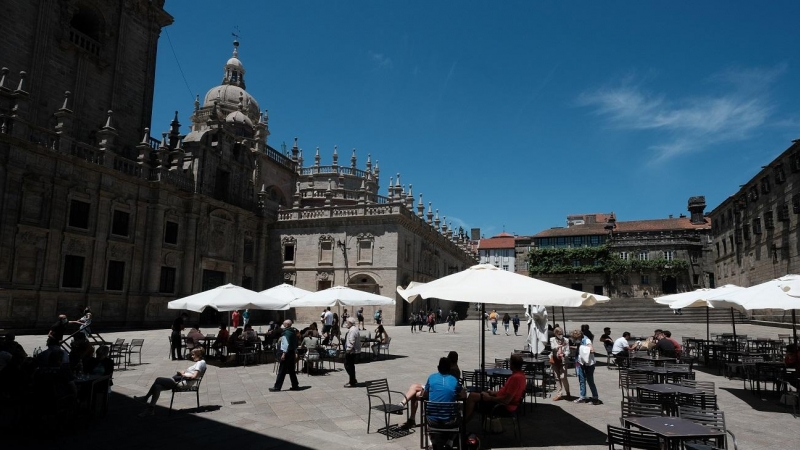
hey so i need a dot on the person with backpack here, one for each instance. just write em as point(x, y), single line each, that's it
point(378, 316)
point(288, 349)
point(515, 322)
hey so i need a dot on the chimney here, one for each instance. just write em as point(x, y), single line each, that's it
point(696, 207)
point(475, 234)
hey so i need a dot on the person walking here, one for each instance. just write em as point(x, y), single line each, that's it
point(515, 322)
point(493, 321)
point(506, 322)
point(288, 351)
point(85, 322)
point(451, 321)
point(235, 319)
point(360, 316)
point(246, 317)
point(559, 356)
point(352, 347)
point(584, 366)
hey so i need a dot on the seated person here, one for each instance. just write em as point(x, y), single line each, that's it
point(103, 364)
point(222, 339)
point(234, 340)
point(314, 328)
point(194, 338)
point(440, 387)
point(194, 371)
point(664, 346)
point(606, 340)
point(454, 369)
point(621, 349)
point(509, 395)
point(310, 340)
point(678, 347)
point(52, 347)
point(250, 336)
point(792, 360)
point(381, 337)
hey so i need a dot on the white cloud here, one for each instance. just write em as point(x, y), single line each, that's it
point(690, 124)
point(381, 61)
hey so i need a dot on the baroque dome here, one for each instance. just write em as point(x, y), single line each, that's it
point(237, 117)
point(229, 94)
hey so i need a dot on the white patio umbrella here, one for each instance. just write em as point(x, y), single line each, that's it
point(341, 295)
point(699, 298)
point(485, 283)
point(772, 294)
point(285, 292)
point(227, 298)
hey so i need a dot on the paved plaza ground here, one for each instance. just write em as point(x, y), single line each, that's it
point(238, 411)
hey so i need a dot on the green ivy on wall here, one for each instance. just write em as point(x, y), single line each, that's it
point(598, 260)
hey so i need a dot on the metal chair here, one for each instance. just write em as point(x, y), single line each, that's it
point(625, 438)
point(536, 378)
point(135, 348)
point(378, 392)
point(384, 348)
point(707, 387)
point(501, 412)
point(117, 353)
point(709, 418)
point(749, 371)
point(635, 409)
point(474, 381)
point(192, 385)
point(702, 401)
point(442, 423)
point(311, 360)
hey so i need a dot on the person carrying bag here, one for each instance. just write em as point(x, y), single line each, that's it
point(584, 366)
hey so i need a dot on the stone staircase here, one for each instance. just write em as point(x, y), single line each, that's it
point(625, 310)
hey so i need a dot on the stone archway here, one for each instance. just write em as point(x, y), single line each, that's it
point(364, 282)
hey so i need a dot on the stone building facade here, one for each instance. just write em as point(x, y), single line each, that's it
point(755, 233)
point(97, 210)
point(657, 242)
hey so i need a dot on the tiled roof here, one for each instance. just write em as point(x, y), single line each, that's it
point(496, 243)
point(632, 226)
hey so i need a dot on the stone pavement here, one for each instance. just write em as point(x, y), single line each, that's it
point(237, 409)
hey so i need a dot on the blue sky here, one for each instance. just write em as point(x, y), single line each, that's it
point(511, 115)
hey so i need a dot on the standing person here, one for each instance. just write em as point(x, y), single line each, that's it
point(175, 337)
point(344, 316)
point(352, 347)
point(413, 320)
point(439, 315)
point(586, 332)
point(85, 322)
point(493, 321)
point(506, 322)
point(327, 322)
point(432, 322)
point(165, 384)
point(451, 321)
point(235, 319)
point(378, 316)
point(59, 328)
point(607, 340)
point(288, 351)
point(422, 319)
point(584, 366)
point(559, 356)
point(360, 317)
point(246, 318)
point(515, 322)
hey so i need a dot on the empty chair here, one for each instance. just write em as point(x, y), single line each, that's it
point(635, 363)
point(474, 381)
point(623, 438)
point(707, 387)
point(629, 383)
point(702, 401)
point(135, 348)
point(384, 348)
point(536, 381)
point(117, 353)
point(379, 398)
point(631, 408)
point(500, 363)
point(749, 369)
point(712, 419)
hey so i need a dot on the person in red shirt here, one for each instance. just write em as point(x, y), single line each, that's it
point(668, 335)
point(509, 395)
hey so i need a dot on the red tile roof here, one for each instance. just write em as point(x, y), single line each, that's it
point(632, 226)
point(496, 243)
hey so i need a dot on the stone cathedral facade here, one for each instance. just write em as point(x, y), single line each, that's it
point(98, 209)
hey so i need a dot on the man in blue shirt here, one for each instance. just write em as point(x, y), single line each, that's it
point(440, 387)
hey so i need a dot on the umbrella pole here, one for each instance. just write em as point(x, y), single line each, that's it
point(794, 326)
point(483, 339)
point(708, 327)
point(563, 320)
point(733, 322)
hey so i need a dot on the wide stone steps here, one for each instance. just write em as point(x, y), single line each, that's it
point(625, 310)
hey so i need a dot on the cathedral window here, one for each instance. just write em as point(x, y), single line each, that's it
point(765, 187)
point(115, 275)
point(249, 249)
point(85, 30)
point(757, 225)
point(167, 283)
point(120, 223)
point(72, 275)
point(289, 253)
point(780, 175)
point(796, 203)
point(669, 255)
point(365, 251)
point(79, 214)
point(643, 256)
point(769, 221)
point(645, 279)
point(623, 256)
point(783, 212)
point(171, 233)
point(326, 250)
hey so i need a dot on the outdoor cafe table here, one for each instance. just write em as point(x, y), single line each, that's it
point(497, 375)
point(669, 391)
point(88, 385)
point(661, 373)
point(770, 367)
point(656, 359)
point(673, 429)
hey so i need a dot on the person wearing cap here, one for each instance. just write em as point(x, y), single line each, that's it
point(288, 347)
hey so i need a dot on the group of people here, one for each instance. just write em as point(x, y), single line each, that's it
point(493, 319)
point(431, 318)
point(445, 385)
point(579, 344)
point(660, 342)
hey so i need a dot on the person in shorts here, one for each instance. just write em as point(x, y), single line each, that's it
point(360, 317)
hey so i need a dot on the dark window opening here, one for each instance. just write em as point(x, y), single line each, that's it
point(769, 222)
point(249, 250)
point(171, 233)
point(167, 284)
point(247, 282)
point(221, 185)
point(757, 226)
point(323, 284)
point(577, 286)
point(79, 214)
point(85, 31)
point(116, 275)
point(288, 253)
point(120, 223)
point(598, 290)
point(73, 272)
point(783, 212)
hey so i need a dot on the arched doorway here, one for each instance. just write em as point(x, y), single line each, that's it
point(364, 283)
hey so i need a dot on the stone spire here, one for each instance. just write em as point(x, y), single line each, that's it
point(107, 134)
point(410, 199)
point(369, 162)
point(353, 160)
point(391, 188)
point(316, 158)
point(436, 221)
point(335, 155)
point(3, 74)
point(64, 116)
point(430, 213)
point(420, 207)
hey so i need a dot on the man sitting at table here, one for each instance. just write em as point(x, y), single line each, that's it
point(194, 338)
point(621, 348)
point(509, 395)
point(664, 346)
point(668, 336)
point(221, 340)
point(440, 387)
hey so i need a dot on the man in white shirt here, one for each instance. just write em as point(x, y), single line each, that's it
point(327, 321)
point(352, 347)
point(621, 347)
